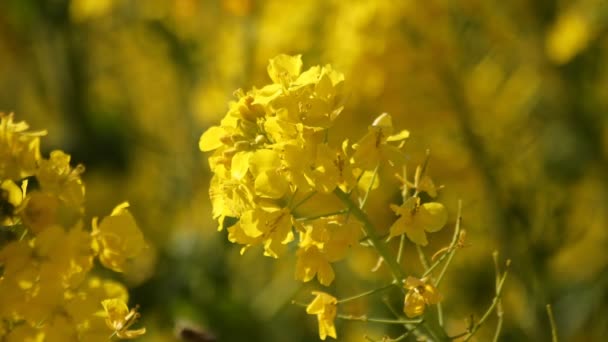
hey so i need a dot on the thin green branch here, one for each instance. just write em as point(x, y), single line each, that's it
point(499, 310)
point(315, 217)
point(369, 188)
point(495, 301)
point(400, 250)
point(452, 248)
point(364, 318)
point(440, 314)
point(304, 200)
point(366, 293)
point(552, 322)
point(422, 257)
point(410, 328)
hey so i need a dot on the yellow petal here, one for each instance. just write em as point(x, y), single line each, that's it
point(240, 165)
point(211, 139)
point(270, 184)
point(284, 69)
point(385, 122)
point(416, 235)
point(432, 216)
point(262, 160)
point(404, 134)
point(399, 227)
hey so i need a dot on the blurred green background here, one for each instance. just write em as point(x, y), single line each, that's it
point(511, 97)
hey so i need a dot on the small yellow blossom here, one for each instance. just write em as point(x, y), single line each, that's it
point(323, 242)
point(374, 147)
point(56, 176)
point(324, 306)
point(311, 261)
point(19, 148)
point(420, 293)
point(119, 319)
point(417, 218)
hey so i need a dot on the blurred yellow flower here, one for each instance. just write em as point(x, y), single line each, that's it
point(324, 306)
point(117, 238)
point(420, 293)
point(56, 176)
point(569, 36)
point(19, 148)
point(11, 197)
point(119, 318)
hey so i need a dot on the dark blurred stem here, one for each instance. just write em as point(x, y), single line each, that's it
point(475, 146)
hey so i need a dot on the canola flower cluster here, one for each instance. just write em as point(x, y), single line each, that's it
point(271, 154)
point(48, 291)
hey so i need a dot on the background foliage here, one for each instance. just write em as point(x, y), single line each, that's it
point(510, 97)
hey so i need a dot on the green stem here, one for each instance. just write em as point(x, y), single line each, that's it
point(440, 314)
point(490, 309)
point(400, 250)
point(410, 328)
point(370, 231)
point(364, 318)
point(552, 322)
point(422, 257)
point(366, 293)
point(314, 217)
point(452, 248)
point(499, 310)
point(302, 201)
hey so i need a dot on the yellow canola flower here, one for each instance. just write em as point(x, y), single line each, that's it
point(270, 226)
point(117, 238)
point(420, 294)
point(321, 243)
point(264, 166)
point(229, 197)
point(416, 219)
point(312, 166)
point(19, 149)
point(312, 262)
point(374, 147)
point(56, 176)
point(324, 306)
point(284, 69)
point(119, 318)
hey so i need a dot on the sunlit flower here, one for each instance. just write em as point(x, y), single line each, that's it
point(324, 306)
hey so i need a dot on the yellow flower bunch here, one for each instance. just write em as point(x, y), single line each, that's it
point(47, 290)
point(272, 154)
